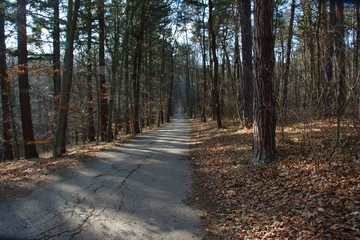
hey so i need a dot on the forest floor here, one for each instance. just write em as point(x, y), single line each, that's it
point(311, 192)
point(21, 177)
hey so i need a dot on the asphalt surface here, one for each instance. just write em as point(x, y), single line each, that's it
point(131, 192)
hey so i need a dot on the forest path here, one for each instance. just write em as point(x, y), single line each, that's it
point(135, 191)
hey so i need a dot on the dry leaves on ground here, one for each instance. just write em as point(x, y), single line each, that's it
point(312, 192)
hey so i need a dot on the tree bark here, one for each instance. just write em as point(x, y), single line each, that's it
point(169, 112)
point(25, 107)
point(66, 82)
point(215, 78)
point(288, 57)
point(329, 53)
point(204, 63)
point(189, 97)
point(104, 109)
point(125, 49)
point(264, 147)
point(126, 89)
point(162, 80)
point(313, 34)
point(56, 54)
point(248, 82)
point(340, 56)
point(356, 63)
point(5, 101)
point(114, 71)
point(137, 63)
point(90, 99)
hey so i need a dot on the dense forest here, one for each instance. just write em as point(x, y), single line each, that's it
point(81, 71)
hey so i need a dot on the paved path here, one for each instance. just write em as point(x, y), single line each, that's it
point(131, 192)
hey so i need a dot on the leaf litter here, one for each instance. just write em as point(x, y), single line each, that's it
point(297, 197)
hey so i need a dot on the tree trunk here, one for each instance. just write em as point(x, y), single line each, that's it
point(288, 57)
point(340, 56)
point(5, 100)
point(248, 83)
point(189, 97)
point(329, 53)
point(215, 78)
point(204, 63)
point(56, 54)
point(309, 88)
point(90, 99)
point(162, 78)
point(264, 147)
point(137, 66)
point(114, 71)
point(126, 90)
point(125, 48)
point(170, 99)
point(356, 64)
point(25, 107)
point(61, 125)
point(104, 109)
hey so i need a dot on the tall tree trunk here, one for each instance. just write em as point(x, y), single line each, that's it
point(231, 77)
point(90, 99)
point(288, 57)
point(203, 51)
point(114, 71)
point(137, 63)
point(264, 147)
point(66, 82)
point(248, 83)
point(25, 107)
point(56, 54)
point(329, 53)
point(126, 89)
point(340, 56)
point(189, 97)
point(162, 78)
point(16, 147)
point(104, 109)
point(356, 63)
point(125, 50)
point(237, 60)
point(215, 78)
point(5, 100)
point(170, 99)
point(312, 66)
